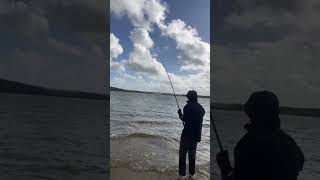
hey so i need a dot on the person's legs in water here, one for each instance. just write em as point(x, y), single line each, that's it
point(182, 156)
point(192, 149)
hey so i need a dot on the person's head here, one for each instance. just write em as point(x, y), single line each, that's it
point(262, 108)
point(192, 96)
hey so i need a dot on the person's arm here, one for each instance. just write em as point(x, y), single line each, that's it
point(180, 114)
point(185, 114)
point(203, 112)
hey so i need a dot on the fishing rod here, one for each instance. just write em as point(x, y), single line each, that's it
point(216, 132)
point(174, 93)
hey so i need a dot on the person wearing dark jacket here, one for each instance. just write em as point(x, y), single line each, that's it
point(192, 118)
point(265, 152)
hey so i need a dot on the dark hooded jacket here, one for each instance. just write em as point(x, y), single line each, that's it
point(193, 114)
point(266, 152)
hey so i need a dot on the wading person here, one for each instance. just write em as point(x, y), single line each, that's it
point(192, 118)
point(265, 152)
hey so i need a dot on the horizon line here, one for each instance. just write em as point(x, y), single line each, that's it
point(200, 95)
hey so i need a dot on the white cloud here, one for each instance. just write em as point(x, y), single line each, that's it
point(140, 36)
point(141, 59)
point(196, 53)
point(115, 47)
point(117, 66)
point(148, 74)
point(115, 50)
point(199, 82)
point(142, 13)
point(182, 83)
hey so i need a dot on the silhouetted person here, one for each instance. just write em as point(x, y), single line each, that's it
point(265, 152)
point(192, 116)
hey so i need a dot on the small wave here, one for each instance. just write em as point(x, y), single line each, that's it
point(150, 122)
point(139, 135)
point(167, 173)
point(148, 153)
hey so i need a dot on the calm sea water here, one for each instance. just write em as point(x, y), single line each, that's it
point(52, 138)
point(305, 130)
point(145, 133)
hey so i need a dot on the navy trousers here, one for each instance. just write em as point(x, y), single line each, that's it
point(187, 146)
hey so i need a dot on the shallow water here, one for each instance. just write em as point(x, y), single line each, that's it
point(305, 131)
point(145, 133)
point(52, 138)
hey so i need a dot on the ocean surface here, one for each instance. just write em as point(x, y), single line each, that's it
point(145, 134)
point(305, 131)
point(52, 138)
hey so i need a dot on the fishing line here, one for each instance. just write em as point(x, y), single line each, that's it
point(174, 93)
point(216, 132)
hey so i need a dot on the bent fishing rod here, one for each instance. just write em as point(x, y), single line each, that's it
point(216, 132)
point(174, 93)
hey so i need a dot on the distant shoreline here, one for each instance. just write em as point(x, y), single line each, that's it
point(307, 112)
point(146, 92)
point(13, 87)
point(284, 110)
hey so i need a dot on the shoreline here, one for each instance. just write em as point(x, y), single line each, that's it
point(120, 173)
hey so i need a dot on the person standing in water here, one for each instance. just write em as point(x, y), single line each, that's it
point(265, 152)
point(192, 118)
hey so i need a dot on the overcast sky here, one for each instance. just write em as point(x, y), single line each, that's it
point(271, 45)
point(57, 43)
point(148, 36)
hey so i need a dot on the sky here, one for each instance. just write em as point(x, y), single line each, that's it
point(58, 44)
point(266, 45)
point(148, 37)
point(256, 45)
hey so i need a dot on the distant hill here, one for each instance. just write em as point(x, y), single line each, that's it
point(146, 92)
point(125, 90)
point(312, 112)
point(7, 86)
